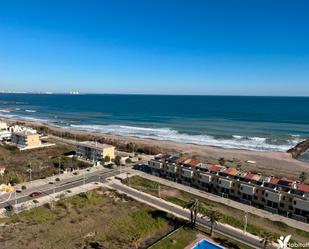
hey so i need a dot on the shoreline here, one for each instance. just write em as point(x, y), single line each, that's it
point(280, 164)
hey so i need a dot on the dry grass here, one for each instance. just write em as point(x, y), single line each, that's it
point(104, 217)
point(43, 161)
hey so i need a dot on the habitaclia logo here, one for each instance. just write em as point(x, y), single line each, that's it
point(283, 242)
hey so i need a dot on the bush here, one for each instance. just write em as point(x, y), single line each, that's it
point(117, 160)
point(23, 187)
point(57, 179)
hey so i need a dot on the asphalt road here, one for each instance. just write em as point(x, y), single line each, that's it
point(228, 232)
point(48, 189)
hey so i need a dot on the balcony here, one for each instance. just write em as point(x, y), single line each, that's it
point(155, 164)
point(301, 204)
point(224, 183)
point(187, 173)
point(205, 178)
point(172, 168)
point(247, 189)
point(272, 196)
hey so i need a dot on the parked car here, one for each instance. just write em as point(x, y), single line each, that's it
point(35, 194)
point(9, 208)
point(12, 183)
point(18, 190)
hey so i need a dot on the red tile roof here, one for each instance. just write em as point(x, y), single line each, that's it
point(182, 159)
point(274, 180)
point(231, 171)
point(214, 168)
point(193, 163)
point(303, 187)
point(252, 176)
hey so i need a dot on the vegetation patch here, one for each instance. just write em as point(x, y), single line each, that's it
point(101, 218)
point(256, 225)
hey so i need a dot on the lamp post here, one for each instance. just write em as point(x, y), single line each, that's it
point(30, 171)
point(246, 222)
point(15, 198)
point(59, 170)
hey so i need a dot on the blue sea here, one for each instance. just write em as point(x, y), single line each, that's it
point(254, 123)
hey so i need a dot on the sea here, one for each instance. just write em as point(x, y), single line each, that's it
point(252, 123)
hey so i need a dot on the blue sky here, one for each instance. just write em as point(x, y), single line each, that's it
point(172, 47)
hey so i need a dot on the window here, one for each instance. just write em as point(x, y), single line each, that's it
point(262, 192)
point(282, 205)
point(290, 200)
point(257, 191)
point(241, 188)
point(255, 197)
point(283, 198)
point(290, 207)
point(266, 195)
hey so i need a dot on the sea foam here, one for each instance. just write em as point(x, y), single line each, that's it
point(235, 142)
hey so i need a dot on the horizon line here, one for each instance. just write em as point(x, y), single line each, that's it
point(147, 94)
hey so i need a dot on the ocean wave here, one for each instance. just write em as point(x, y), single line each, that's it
point(235, 142)
point(30, 110)
point(21, 117)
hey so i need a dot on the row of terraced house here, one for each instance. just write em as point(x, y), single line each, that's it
point(282, 196)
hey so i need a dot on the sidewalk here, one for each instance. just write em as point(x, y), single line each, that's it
point(39, 183)
point(179, 210)
point(228, 202)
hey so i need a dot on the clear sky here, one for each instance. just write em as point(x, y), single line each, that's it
point(231, 47)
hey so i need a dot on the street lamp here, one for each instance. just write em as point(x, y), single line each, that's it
point(246, 222)
point(59, 166)
point(30, 171)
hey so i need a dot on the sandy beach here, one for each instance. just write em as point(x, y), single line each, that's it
point(279, 164)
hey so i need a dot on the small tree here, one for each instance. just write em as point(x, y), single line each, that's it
point(267, 238)
point(303, 177)
point(128, 160)
point(222, 161)
point(107, 159)
point(117, 160)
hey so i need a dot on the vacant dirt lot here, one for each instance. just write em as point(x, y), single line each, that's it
point(100, 218)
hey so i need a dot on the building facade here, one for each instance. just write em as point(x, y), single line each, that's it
point(281, 196)
point(25, 139)
point(94, 152)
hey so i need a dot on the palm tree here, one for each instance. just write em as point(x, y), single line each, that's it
point(195, 207)
point(192, 205)
point(214, 217)
point(267, 238)
point(303, 177)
